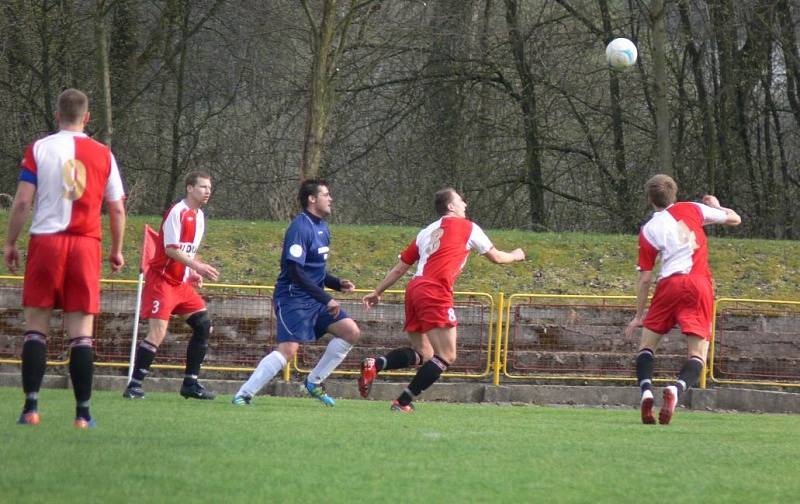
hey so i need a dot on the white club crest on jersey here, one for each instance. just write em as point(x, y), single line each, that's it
point(686, 236)
point(296, 250)
point(435, 241)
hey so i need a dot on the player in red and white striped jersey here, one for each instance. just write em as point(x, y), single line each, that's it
point(169, 288)
point(65, 177)
point(441, 251)
point(684, 294)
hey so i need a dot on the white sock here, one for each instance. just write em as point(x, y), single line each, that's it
point(334, 355)
point(266, 370)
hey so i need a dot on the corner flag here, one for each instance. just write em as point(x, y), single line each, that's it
point(149, 247)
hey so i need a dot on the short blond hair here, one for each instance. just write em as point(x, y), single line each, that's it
point(661, 190)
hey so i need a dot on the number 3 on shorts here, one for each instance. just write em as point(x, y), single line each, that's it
point(451, 315)
point(155, 306)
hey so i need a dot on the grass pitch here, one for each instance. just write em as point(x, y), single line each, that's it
point(167, 449)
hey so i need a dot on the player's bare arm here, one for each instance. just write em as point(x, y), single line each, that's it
point(391, 277)
point(642, 290)
point(501, 257)
point(733, 218)
point(117, 219)
point(203, 269)
point(20, 208)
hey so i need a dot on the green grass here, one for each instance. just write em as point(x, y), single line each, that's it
point(284, 449)
point(559, 263)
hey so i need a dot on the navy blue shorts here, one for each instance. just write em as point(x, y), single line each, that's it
point(302, 321)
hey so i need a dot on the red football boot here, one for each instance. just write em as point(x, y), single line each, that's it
point(396, 406)
point(668, 407)
point(368, 374)
point(29, 418)
point(648, 416)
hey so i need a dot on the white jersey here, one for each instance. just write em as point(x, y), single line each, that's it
point(73, 174)
point(443, 247)
point(182, 228)
point(677, 234)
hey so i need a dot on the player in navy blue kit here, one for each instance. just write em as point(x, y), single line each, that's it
point(303, 310)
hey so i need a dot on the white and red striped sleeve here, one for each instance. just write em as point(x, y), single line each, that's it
point(712, 215)
point(478, 240)
point(172, 227)
point(114, 190)
point(411, 254)
point(647, 254)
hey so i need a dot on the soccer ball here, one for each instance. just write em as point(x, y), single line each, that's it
point(621, 53)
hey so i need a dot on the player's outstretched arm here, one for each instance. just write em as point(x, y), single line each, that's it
point(500, 257)
point(116, 220)
point(391, 277)
point(20, 208)
point(733, 218)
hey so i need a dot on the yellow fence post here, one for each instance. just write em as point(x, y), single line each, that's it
point(498, 339)
point(287, 369)
point(709, 371)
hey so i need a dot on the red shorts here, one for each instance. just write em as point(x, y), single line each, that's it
point(63, 271)
point(161, 299)
point(428, 305)
point(685, 300)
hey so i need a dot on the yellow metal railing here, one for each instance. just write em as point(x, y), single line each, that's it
point(504, 365)
point(498, 324)
point(713, 346)
point(493, 311)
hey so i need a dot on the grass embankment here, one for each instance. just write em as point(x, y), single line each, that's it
point(558, 263)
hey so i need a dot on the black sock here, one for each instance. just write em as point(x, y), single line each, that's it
point(34, 363)
point(398, 358)
point(426, 376)
point(195, 355)
point(145, 354)
point(645, 362)
point(689, 374)
point(81, 371)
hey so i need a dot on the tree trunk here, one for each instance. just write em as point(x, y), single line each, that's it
point(620, 183)
point(103, 72)
point(657, 15)
point(725, 91)
point(533, 153)
point(791, 57)
point(322, 94)
point(177, 112)
point(706, 110)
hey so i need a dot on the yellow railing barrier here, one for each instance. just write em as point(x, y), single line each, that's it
point(487, 371)
point(564, 377)
point(713, 344)
point(498, 329)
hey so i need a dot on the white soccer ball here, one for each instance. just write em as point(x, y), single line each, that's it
point(621, 53)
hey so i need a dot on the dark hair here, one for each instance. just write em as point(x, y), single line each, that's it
point(191, 179)
point(442, 198)
point(72, 105)
point(661, 190)
point(308, 188)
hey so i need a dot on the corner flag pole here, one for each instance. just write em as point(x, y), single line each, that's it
point(148, 250)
